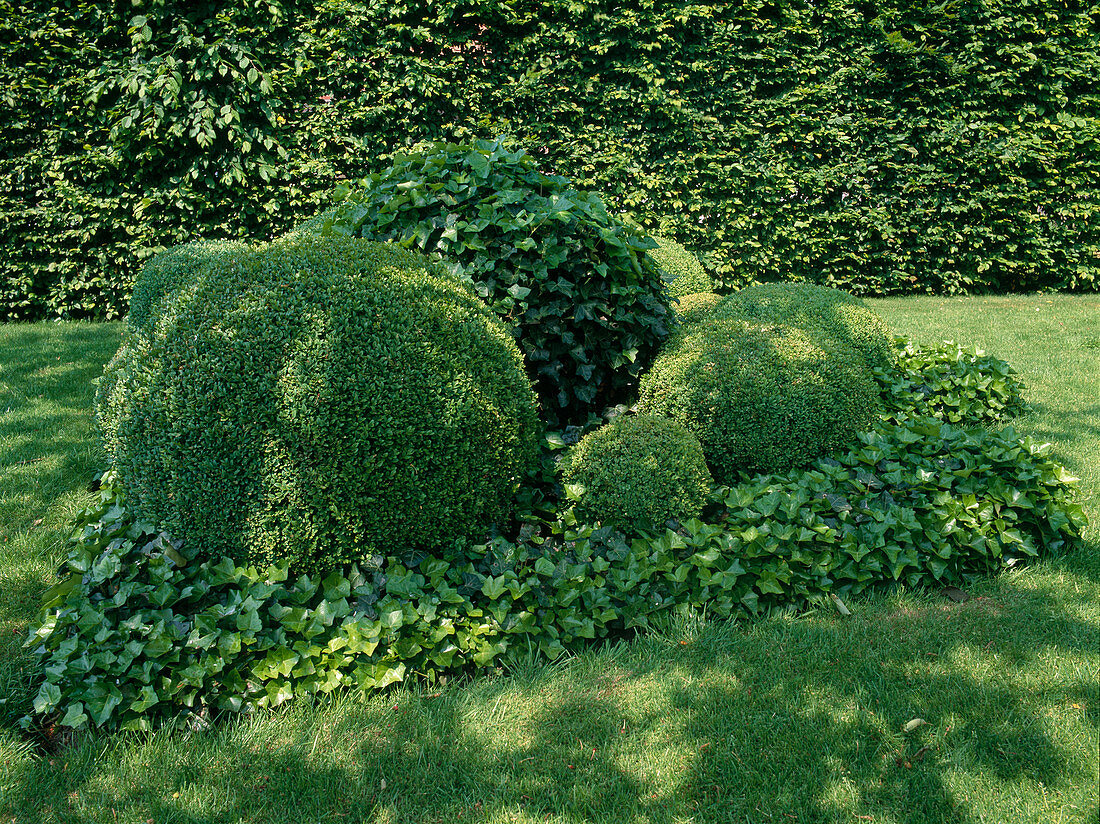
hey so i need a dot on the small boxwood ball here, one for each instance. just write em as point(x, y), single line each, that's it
point(638, 472)
point(317, 400)
point(817, 308)
point(684, 273)
point(697, 307)
point(760, 397)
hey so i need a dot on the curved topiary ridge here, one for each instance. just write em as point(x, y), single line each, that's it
point(315, 400)
point(760, 398)
point(586, 305)
point(686, 275)
point(818, 308)
point(638, 472)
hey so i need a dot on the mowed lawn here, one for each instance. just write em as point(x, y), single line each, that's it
point(786, 719)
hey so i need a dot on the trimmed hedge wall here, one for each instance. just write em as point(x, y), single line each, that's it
point(883, 148)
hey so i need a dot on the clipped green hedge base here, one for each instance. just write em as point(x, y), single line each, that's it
point(137, 633)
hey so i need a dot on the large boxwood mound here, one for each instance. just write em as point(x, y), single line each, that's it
point(760, 397)
point(316, 400)
point(686, 275)
point(586, 304)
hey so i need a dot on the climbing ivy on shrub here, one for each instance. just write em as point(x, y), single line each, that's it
point(138, 632)
point(884, 148)
point(947, 381)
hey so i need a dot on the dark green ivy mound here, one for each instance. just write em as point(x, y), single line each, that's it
point(587, 306)
point(760, 398)
point(637, 473)
point(830, 311)
point(313, 400)
point(685, 273)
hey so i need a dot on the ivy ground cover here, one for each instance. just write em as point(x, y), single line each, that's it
point(670, 727)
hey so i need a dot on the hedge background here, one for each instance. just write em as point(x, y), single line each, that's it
point(885, 148)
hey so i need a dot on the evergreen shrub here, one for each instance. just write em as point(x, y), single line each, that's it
point(638, 472)
point(823, 309)
point(697, 307)
point(684, 273)
point(760, 397)
point(586, 304)
point(314, 400)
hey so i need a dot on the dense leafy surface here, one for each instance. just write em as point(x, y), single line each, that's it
point(586, 304)
point(831, 312)
point(139, 629)
point(638, 472)
point(308, 399)
point(885, 148)
point(685, 273)
point(951, 383)
point(760, 397)
point(693, 308)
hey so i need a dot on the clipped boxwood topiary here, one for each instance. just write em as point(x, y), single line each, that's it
point(760, 398)
point(316, 400)
point(819, 308)
point(697, 307)
point(587, 306)
point(684, 272)
point(638, 472)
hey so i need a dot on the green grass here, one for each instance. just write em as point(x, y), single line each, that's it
point(780, 720)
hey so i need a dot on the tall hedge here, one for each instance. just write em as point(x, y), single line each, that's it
point(891, 147)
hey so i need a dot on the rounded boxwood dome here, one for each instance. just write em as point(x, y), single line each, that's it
point(760, 398)
point(818, 309)
point(697, 307)
point(684, 273)
point(586, 305)
point(316, 400)
point(638, 472)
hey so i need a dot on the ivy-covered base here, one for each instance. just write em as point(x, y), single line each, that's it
point(137, 633)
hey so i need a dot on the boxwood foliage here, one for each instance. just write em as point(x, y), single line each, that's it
point(683, 271)
point(697, 307)
point(636, 473)
point(830, 311)
point(306, 400)
point(139, 630)
point(760, 397)
point(961, 386)
point(585, 302)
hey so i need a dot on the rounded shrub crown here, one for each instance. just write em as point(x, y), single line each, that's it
point(637, 472)
point(316, 400)
point(760, 397)
point(684, 272)
point(586, 305)
point(832, 312)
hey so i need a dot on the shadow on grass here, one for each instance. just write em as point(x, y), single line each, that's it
point(784, 720)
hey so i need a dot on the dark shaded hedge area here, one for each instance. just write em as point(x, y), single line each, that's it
point(884, 148)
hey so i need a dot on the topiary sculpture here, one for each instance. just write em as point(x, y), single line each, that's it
point(760, 398)
point(816, 308)
point(637, 472)
point(585, 303)
point(317, 400)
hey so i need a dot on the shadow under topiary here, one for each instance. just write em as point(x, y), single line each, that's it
point(637, 473)
point(818, 308)
point(686, 275)
point(760, 398)
point(317, 400)
point(587, 306)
